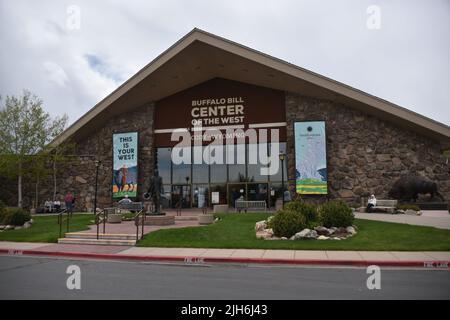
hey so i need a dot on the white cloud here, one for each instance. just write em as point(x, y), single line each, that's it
point(405, 62)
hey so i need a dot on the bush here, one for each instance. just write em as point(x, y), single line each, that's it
point(408, 207)
point(15, 216)
point(336, 213)
point(308, 211)
point(286, 223)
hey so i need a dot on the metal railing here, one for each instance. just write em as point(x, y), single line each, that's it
point(101, 217)
point(60, 221)
point(245, 205)
point(140, 215)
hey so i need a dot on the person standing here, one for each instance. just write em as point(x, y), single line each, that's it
point(69, 200)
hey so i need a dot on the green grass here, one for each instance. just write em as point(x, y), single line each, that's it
point(46, 229)
point(237, 231)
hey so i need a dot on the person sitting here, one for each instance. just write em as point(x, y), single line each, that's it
point(56, 205)
point(372, 202)
point(125, 200)
point(48, 206)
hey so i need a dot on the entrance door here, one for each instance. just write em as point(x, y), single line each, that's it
point(257, 192)
point(236, 191)
point(181, 194)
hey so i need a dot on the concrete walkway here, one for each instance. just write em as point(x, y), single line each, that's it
point(431, 218)
point(203, 255)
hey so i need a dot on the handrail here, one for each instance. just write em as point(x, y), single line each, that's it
point(136, 222)
point(60, 221)
point(98, 221)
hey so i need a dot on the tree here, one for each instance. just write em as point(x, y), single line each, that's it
point(26, 131)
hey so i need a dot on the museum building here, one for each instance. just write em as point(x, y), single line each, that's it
point(207, 97)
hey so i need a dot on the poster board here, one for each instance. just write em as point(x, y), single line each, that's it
point(125, 164)
point(311, 175)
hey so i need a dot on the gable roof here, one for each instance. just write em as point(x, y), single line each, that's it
point(200, 56)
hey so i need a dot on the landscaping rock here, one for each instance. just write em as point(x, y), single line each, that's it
point(306, 234)
point(322, 238)
point(302, 234)
point(31, 221)
point(335, 238)
point(322, 231)
point(350, 230)
point(2, 227)
point(341, 230)
point(260, 225)
point(26, 225)
point(263, 235)
point(8, 227)
point(17, 228)
point(283, 238)
point(400, 211)
point(332, 230)
point(411, 212)
point(269, 231)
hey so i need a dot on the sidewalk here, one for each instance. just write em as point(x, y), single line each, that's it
point(430, 259)
point(431, 218)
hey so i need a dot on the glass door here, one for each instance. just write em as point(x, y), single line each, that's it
point(181, 195)
point(236, 191)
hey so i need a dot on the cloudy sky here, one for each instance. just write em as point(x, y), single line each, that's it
point(72, 63)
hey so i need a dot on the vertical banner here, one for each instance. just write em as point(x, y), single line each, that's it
point(125, 159)
point(310, 157)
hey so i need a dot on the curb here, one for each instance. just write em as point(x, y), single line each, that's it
point(202, 260)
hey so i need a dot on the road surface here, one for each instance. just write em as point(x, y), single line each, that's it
point(24, 277)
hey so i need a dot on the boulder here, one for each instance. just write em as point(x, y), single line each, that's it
point(26, 225)
point(411, 212)
point(306, 234)
point(260, 225)
point(335, 238)
point(322, 238)
point(400, 211)
point(283, 238)
point(18, 228)
point(322, 231)
point(350, 230)
point(8, 227)
point(2, 227)
point(332, 230)
point(263, 235)
point(31, 221)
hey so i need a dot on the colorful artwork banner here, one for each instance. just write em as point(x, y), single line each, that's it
point(310, 157)
point(125, 164)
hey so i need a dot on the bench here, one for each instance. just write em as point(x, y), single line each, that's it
point(385, 206)
point(245, 205)
point(131, 206)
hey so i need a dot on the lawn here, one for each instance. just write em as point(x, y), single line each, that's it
point(237, 231)
point(46, 229)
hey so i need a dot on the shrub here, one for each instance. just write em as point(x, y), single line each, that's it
point(15, 216)
point(308, 211)
point(286, 223)
point(336, 213)
point(408, 207)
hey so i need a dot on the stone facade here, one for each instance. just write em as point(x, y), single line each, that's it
point(77, 173)
point(365, 154)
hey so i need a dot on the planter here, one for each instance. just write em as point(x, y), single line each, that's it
point(205, 219)
point(114, 218)
point(220, 208)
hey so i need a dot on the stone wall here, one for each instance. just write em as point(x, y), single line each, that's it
point(77, 173)
point(365, 154)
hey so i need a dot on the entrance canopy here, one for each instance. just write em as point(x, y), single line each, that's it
point(200, 56)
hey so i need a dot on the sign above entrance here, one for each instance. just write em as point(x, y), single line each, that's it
point(219, 104)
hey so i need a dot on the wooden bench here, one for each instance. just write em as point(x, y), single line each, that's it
point(245, 205)
point(387, 206)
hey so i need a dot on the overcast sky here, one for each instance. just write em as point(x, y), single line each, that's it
point(73, 66)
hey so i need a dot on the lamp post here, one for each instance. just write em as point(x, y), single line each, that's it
point(282, 156)
point(97, 165)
